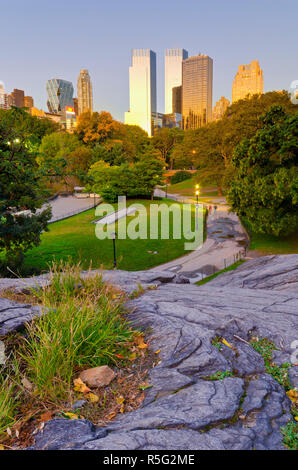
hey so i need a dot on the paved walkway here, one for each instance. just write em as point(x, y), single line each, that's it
point(66, 206)
point(225, 244)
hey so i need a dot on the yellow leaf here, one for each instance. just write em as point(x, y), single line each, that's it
point(296, 418)
point(226, 343)
point(92, 397)
point(71, 415)
point(122, 409)
point(158, 351)
point(2, 447)
point(293, 395)
point(80, 386)
point(142, 345)
point(120, 400)
point(132, 357)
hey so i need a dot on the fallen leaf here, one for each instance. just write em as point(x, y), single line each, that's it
point(296, 418)
point(27, 384)
point(122, 409)
point(158, 351)
point(71, 415)
point(119, 356)
point(112, 415)
point(92, 397)
point(120, 400)
point(2, 447)
point(46, 416)
point(132, 357)
point(142, 345)
point(226, 343)
point(8, 430)
point(293, 395)
point(80, 386)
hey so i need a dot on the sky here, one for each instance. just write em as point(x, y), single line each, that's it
point(43, 39)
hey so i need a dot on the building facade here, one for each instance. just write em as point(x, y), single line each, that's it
point(197, 86)
point(142, 89)
point(85, 96)
point(60, 94)
point(3, 97)
point(177, 99)
point(17, 98)
point(28, 102)
point(173, 75)
point(220, 108)
point(247, 81)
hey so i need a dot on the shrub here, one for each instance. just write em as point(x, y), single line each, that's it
point(180, 176)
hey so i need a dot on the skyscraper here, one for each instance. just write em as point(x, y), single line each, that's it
point(173, 74)
point(3, 97)
point(142, 89)
point(177, 99)
point(85, 99)
point(248, 81)
point(220, 108)
point(60, 94)
point(197, 83)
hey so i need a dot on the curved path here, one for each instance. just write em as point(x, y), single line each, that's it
point(225, 244)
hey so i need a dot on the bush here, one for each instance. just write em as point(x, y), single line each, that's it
point(180, 176)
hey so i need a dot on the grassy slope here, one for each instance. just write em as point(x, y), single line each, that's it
point(269, 244)
point(75, 238)
point(213, 276)
point(187, 188)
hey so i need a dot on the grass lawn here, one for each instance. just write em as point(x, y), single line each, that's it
point(268, 244)
point(75, 239)
point(213, 276)
point(187, 188)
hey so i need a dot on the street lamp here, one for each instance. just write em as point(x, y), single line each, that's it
point(197, 206)
point(113, 236)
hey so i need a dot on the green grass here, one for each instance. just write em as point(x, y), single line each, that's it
point(213, 276)
point(74, 239)
point(187, 188)
point(290, 435)
point(83, 327)
point(8, 403)
point(269, 244)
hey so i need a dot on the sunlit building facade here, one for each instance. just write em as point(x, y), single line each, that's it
point(3, 97)
point(248, 81)
point(85, 95)
point(28, 102)
point(173, 75)
point(60, 94)
point(17, 98)
point(220, 108)
point(177, 99)
point(142, 89)
point(197, 85)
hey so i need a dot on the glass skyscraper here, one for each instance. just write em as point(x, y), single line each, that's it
point(173, 75)
point(142, 89)
point(197, 83)
point(60, 94)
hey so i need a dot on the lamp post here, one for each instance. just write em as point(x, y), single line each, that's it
point(113, 236)
point(197, 206)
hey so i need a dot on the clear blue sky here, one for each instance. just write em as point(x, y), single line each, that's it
point(42, 39)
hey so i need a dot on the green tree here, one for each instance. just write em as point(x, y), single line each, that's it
point(21, 193)
point(264, 190)
point(164, 141)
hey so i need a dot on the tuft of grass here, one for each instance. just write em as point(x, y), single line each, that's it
point(8, 404)
point(220, 375)
point(265, 347)
point(82, 325)
point(290, 435)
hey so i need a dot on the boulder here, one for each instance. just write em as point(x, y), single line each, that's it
point(97, 376)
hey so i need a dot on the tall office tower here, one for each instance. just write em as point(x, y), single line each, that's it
point(28, 102)
point(85, 100)
point(173, 75)
point(248, 81)
point(142, 89)
point(197, 83)
point(3, 97)
point(16, 98)
point(76, 106)
point(177, 99)
point(60, 94)
point(220, 108)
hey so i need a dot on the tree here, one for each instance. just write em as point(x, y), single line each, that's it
point(264, 190)
point(164, 141)
point(20, 190)
point(96, 127)
point(132, 180)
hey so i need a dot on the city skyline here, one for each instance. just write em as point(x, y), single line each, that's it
point(27, 63)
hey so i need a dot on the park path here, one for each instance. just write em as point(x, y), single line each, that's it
point(67, 206)
point(225, 243)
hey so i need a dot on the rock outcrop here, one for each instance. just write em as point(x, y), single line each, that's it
point(184, 408)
